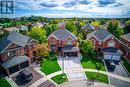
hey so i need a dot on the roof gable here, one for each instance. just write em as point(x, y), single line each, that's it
point(62, 34)
point(14, 37)
point(88, 27)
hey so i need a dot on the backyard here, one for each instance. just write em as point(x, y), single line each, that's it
point(97, 76)
point(91, 63)
point(50, 66)
point(4, 83)
point(60, 78)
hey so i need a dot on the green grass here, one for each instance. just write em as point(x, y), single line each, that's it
point(59, 78)
point(126, 64)
point(50, 66)
point(91, 63)
point(4, 83)
point(97, 76)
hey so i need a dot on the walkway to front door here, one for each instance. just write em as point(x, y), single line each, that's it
point(72, 67)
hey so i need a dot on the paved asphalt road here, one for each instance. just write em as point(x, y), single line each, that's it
point(119, 70)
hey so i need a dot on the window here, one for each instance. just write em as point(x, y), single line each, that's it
point(111, 44)
point(8, 53)
point(13, 52)
point(18, 51)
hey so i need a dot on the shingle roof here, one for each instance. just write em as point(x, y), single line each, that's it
point(126, 37)
point(62, 34)
point(16, 38)
point(101, 34)
point(14, 61)
point(88, 27)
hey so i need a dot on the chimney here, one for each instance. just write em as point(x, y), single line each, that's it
point(61, 25)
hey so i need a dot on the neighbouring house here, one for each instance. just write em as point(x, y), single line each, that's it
point(22, 27)
point(10, 29)
point(88, 28)
point(125, 45)
point(63, 42)
point(102, 39)
point(16, 52)
point(16, 28)
point(40, 24)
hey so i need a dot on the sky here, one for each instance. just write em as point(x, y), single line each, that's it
point(73, 8)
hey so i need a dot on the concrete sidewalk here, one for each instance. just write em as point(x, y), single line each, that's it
point(109, 74)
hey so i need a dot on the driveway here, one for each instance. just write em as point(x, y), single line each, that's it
point(119, 70)
point(36, 76)
point(72, 67)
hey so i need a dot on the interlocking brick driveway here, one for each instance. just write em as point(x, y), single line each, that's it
point(72, 67)
point(21, 83)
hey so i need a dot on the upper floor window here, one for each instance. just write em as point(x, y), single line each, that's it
point(111, 44)
point(8, 53)
point(18, 51)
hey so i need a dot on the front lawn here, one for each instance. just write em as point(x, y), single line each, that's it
point(126, 64)
point(60, 78)
point(97, 76)
point(4, 83)
point(91, 63)
point(50, 66)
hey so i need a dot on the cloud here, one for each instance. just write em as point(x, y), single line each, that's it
point(70, 4)
point(49, 5)
point(103, 3)
point(84, 2)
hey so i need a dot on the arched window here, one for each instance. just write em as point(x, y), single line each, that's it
point(111, 43)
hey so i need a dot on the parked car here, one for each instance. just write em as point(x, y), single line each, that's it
point(26, 75)
point(111, 65)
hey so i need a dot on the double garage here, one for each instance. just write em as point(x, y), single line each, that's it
point(15, 64)
point(18, 67)
point(71, 54)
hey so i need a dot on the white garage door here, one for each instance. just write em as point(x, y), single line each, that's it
point(107, 57)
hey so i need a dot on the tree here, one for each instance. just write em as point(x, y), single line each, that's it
point(96, 24)
point(114, 28)
point(87, 47)
point(38, 34)
point(71, 27)
point(42, 50)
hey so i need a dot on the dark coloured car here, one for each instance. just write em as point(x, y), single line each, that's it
point(111, 65)
point(26, 75)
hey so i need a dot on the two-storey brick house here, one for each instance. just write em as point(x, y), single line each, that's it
point(106, 42)
point(63, 42)
point(125, 45)
point(16, 50)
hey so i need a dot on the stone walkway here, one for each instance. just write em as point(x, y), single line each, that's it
point(72, 67)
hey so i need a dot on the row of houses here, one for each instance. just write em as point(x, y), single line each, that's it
point(17, 51)
point(22, 27)
point(65, 43)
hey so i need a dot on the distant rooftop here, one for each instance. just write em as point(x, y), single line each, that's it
point(126, 37)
